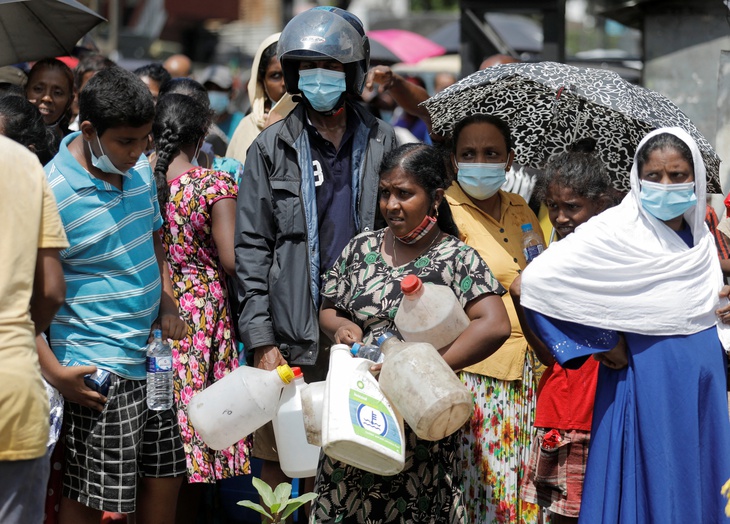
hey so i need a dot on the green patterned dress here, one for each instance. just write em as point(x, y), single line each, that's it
point(428, 490)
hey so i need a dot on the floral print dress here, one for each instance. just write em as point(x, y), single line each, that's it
point(428, 489)
point(209, 351)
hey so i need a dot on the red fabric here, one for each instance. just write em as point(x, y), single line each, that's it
point(565, 397)
point(711, 220)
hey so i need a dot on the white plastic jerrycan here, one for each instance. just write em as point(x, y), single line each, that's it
point(312, 404)
point(423, 388)
point(237, 405)
point(360, 426)
point(297, 458)
point(429, 313)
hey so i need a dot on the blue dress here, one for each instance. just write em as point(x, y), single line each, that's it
point(660, 440)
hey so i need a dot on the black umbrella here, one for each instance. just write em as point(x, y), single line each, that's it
point(549, 106)
point(35, 29)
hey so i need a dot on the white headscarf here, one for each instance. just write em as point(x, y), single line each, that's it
point(626, 270)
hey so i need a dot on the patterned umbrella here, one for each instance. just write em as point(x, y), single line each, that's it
point(548, 106)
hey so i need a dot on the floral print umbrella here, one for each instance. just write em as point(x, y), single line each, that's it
point(548, 106)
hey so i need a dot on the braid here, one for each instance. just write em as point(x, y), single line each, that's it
point(180, 121)
point(167, 145)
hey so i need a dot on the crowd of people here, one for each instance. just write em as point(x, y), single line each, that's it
point(598, 370)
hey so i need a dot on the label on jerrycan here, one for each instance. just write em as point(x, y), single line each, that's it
point(372, 416)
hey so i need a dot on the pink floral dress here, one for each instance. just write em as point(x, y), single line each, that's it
point(209, 351)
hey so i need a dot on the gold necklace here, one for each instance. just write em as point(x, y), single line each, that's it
point(395, 262)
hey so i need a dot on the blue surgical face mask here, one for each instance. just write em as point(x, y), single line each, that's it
point(667, 201)
point(103, 163)
point(322, 87)
point(481, 181)
point(218, 101)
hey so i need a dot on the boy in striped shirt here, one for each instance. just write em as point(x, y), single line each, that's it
point(118, 286)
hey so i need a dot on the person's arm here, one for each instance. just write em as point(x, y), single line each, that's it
point(488, 330)
point(49, 289)
point(542, 352)
point(223, 226)
point(571, 343)
point(337, 325)
point(69, 380)
point(406, 94)
point(254, 241)
point(169, 320)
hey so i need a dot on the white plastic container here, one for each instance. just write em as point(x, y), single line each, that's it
point(297, 458)
point(312, 405)
point(360, 426)
point(429, 313)
point(237, 405)
point(423, 388)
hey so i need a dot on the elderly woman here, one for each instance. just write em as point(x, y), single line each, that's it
point(638, 286)
point(362, 293)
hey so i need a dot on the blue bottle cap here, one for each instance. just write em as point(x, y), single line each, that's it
point(355, 348)
point(526, 228)
point(385, 336)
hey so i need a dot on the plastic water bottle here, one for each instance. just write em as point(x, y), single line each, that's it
point(423, 388)
point(297, 458)
point(532, 244)
point(159, 373)
point(429, 313)
point(369, 352)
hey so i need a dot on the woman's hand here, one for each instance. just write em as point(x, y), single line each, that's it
point(616, 358)
point(348, 334)
point(723, 313)
point(268, 358)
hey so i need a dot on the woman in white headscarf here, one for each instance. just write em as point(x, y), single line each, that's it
point(266, 92)
point(639, 287)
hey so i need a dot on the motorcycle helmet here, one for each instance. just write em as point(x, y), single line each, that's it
point(325, 33)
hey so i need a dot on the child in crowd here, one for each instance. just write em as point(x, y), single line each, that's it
point(199, 213)
point(574, 187)
point(118, 289)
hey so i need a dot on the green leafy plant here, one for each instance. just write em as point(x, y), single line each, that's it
point(278, 504)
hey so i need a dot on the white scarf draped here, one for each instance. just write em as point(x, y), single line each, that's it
point(626, 270)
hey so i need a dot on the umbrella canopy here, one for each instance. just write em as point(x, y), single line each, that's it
point(548, 106)
point(35, 29)
point(519, 32)
point(406, 46)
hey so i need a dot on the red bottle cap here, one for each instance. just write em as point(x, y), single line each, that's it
point(410, 284)
point(297, 371)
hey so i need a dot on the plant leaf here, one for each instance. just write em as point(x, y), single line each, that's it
point(267, 496)
point(256, 507)
point(294, 504)
point(282, 492)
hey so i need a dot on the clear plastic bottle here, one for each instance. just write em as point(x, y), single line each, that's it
point(429, 313)
point(369, 352)
point(423, 388)
point(159, 373)
point(532, 244)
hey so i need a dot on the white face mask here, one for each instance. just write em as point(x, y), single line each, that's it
point(194, 160)
point(104, 163)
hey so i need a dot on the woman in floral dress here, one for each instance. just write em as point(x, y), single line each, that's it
point(361, 295)
point(199, 215)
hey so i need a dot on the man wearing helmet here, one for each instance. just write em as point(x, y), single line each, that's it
point(311, 184)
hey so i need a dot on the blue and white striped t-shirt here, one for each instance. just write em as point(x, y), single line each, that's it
point(112, 276)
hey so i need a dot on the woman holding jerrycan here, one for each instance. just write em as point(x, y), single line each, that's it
point(639, 286)
point(361, 295)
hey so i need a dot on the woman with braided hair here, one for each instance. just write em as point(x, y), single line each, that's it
point(198, 208)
